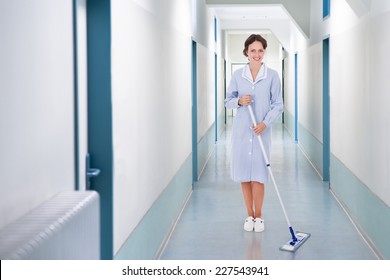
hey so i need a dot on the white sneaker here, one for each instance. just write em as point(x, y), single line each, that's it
point(259, 225)
point(249, 224)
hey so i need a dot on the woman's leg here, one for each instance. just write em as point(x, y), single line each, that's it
point(248, 197)
point(258, 198)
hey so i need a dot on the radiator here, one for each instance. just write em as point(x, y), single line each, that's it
point(66, 227)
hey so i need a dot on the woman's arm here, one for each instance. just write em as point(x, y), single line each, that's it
point(276, 101)
point(231, 101)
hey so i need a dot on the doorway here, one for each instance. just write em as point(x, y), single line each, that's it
point(92, 47)
point(194, 109)
point(325, 109)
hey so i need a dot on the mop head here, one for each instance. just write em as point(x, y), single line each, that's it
point(291, 245)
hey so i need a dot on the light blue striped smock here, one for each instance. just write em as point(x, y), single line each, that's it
point(247, 162)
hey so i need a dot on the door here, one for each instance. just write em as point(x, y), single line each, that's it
point(93, 117)
point(325, 110)
point(194, 99)
point(296, 98)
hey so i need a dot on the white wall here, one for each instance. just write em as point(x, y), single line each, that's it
point(203, 34)
point(273, 55)
point(289, 90)
point(205, 90)
point(310, 90)
point(151, 89)
point(220, 50)
point(379, 88)
point(151, 83)
point(359, 95)
point(82, 89)
point(358, 89)
point(36, 104)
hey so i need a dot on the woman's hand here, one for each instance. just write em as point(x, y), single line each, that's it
point(245, 100)
point(259, 128)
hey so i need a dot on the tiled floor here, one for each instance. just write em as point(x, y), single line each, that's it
point(211, 225)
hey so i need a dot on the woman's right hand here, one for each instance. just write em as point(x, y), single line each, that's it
point(245, 100)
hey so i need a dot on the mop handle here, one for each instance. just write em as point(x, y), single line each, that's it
point(269, 166)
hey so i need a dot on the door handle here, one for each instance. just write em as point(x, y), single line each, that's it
point(89, 172)
point(93, 172)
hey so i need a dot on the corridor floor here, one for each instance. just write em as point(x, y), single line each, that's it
point(211, 224)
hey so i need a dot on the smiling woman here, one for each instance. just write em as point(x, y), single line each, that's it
point(254, 83)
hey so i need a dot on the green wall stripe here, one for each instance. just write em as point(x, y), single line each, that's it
point(366, 209)
point(100, 114)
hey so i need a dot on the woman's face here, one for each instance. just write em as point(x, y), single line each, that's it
point(255, 52)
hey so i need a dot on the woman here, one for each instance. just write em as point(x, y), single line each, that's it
point(258, 85)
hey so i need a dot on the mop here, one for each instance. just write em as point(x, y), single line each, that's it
point(297, 238)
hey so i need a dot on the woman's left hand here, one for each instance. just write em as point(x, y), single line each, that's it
point(259, 128)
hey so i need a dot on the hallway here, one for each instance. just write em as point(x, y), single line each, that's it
point(124, 101)
point(210, 226)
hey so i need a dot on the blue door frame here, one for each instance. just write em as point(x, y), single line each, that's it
point(76, 105)
point(100, 115)
point(194, 102)
point(325, 110)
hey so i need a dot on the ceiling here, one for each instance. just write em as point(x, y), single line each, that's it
point(262, 14)
point(265, 18)
point(251, 13)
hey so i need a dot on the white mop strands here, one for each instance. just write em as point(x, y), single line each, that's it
point(298, 238)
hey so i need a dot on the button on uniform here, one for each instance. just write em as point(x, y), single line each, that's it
point(250, 141)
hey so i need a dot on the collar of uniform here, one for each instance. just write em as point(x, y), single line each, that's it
point(246, 73)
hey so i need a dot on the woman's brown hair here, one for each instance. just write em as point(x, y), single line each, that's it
point(253, 38)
